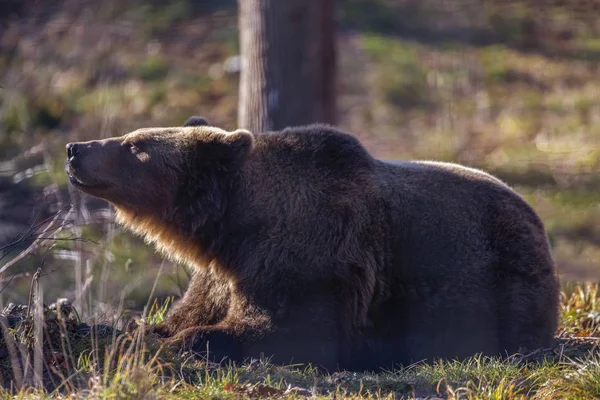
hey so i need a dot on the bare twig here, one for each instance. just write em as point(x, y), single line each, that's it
point(11, 346)
point(52, 226)
point(26, 233)
point(34, 282)
point(38, 331)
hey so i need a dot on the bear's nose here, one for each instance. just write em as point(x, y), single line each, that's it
point(72, 150)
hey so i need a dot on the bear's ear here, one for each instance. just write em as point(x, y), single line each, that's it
point(196, 120)
point(231, 148)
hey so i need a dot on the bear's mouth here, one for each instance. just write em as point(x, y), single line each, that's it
point(78, 182)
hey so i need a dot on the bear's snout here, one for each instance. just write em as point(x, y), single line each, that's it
point(72, 150)
point(84, 165)
point(90, 151)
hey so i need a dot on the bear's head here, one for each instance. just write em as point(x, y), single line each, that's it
point(161, 177)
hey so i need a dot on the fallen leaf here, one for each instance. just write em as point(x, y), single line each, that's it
point(229, 387)
point(261, 390)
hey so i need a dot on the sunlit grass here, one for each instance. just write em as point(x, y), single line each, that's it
point(581, 311)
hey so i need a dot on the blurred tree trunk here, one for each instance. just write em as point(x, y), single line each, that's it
point(288, 57)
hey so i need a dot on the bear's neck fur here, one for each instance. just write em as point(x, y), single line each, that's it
point(192, 232)
point(171, 243)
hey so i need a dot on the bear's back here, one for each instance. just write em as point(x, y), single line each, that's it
point(454, 211)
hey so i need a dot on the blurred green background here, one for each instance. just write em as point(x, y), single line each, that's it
point(512, 87)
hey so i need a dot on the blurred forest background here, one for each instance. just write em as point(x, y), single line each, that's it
point(512, 87)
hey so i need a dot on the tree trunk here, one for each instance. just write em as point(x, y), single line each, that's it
point(288, 57)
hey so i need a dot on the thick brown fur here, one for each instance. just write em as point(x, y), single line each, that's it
point(307, 249)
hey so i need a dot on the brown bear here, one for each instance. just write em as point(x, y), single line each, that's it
point(307, 249)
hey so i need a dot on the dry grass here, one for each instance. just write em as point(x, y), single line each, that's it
point(107, 363)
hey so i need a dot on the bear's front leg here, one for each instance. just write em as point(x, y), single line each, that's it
point(205, 303)
point(244, 324)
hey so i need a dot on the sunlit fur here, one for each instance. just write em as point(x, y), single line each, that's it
point(165, 238)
